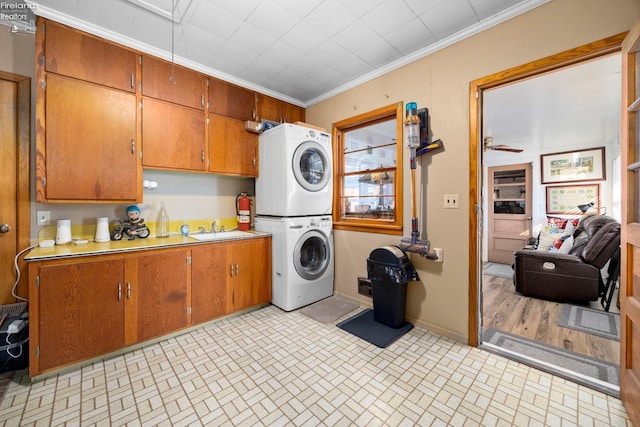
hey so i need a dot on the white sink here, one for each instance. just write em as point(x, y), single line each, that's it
point(223, 235)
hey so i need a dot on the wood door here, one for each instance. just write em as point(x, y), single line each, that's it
point(156, 293)
point(250, 261)
point(90, 143)
point(630, 234)
point(173, 136)
point(72, 53)
point(232, 150)
point(81, 311)
point(509, 212)
point(189, 87)
point(209, 272)
point(229, 100)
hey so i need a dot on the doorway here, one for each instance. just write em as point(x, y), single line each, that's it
point(15, 113)
point(478, 184)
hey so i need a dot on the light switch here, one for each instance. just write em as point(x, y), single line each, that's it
point(44, 217)
point(451, 201)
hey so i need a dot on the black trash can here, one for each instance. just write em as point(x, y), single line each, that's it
point(389, 270)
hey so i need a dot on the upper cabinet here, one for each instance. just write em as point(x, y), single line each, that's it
point(72, 53)
point(87, 138)
point(229, 100)
point(275, 110)
point(187, 87)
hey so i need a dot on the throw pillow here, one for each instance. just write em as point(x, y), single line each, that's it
point(545, 241)
point(566, 245)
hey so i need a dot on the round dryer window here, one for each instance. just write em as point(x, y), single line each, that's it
point(311, 255)
point(311, 166)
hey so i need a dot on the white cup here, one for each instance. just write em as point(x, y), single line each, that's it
point(102, 230)
point(63, 232)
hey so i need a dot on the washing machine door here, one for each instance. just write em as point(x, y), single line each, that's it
point(311, 166)
point(312, 254)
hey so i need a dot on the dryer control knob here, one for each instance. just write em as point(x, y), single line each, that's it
point(313, 223)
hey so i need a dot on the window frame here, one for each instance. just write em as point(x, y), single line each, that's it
point(395, 227)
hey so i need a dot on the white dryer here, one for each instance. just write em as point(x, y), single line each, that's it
point(295, 172)
point(302, 259)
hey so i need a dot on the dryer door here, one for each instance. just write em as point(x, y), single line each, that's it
point(312, 254)
point(311, 166)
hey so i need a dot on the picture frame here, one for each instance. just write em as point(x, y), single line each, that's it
point(573, 166)
point(564, 199)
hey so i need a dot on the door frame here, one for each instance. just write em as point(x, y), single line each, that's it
point(23, 174)
point(573, 56)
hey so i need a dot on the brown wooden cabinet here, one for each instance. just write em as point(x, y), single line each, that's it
point(249, 266)
point(173, 136)
point(89, 143)
point(229, 100)
point(75, 54)
point(273, 109)
point(77, 311)
point(188, 89)
point(232, 150)
point(156, 293)
point(86, 307)
point(208, 282)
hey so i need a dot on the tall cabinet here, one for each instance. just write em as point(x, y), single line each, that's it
point(509, 211)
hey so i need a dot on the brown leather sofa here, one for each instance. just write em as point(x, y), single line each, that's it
point(575, 276)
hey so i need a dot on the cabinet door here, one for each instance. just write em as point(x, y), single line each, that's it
point(75, 54)
point(229, 100)
point(189, 87)
point(269, 108)
point(292, 113)
point(209, 273)
point(156, 294)
point(173, 136)
point(232, 150)
point(81, 312)
point(251, 273)
point(90, 143)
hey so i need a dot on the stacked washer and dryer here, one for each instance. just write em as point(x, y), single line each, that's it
point(294, 198)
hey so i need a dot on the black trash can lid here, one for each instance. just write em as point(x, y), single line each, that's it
point(390, 255)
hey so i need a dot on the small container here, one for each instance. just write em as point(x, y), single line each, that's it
point(184, 229)
point(63, 232)
point(162, 225)
point(102, 231)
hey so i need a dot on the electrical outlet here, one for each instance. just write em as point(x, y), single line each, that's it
point(44, 217)
point(451, 201)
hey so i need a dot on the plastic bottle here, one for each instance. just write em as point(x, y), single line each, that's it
point(162, 225)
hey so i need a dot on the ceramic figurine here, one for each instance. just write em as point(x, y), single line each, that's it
point(133, 226)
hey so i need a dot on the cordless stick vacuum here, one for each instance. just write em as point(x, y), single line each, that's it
point(413, 243)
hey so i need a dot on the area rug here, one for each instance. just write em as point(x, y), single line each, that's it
point(499, 270)
point(364, 326)
point(329, 309)
point(594, 322)
point(585, 365)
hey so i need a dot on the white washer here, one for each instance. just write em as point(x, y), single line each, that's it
point(295, 173)
point(302, 259)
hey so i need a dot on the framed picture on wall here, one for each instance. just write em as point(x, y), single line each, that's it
point(564, 199)
point(573, 166)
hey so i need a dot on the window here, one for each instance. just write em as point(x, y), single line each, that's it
point(368, 172)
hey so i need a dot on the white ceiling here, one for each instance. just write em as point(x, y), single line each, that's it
point(301, 51)
point(575, 106)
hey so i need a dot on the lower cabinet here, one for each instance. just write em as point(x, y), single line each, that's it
point(86, 307)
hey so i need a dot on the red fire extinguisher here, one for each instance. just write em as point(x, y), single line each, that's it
point(243, 211)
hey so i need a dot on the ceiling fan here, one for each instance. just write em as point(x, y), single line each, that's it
point(488, 145)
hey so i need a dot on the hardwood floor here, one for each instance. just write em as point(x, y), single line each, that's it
point(537, 319)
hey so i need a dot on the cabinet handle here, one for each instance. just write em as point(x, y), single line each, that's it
point(254, 162)
point(202, 99)
point(128, 290)
point(133, 146)
point(253, 114)
point(237, 270)
point(119, 291)
point(133, 81)
point(231, 270)
point(202, 155)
